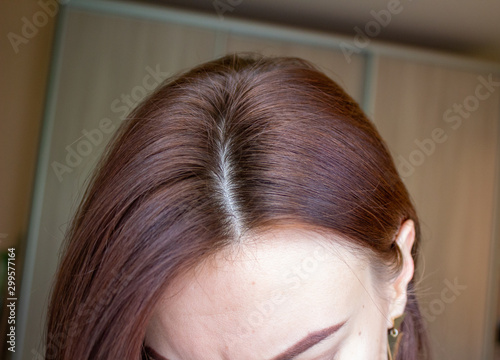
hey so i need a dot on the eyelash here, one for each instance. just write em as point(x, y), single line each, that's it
point(147, 354)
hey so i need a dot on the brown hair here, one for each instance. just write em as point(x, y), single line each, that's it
point(236, 144)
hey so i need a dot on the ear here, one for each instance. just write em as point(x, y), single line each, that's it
point(398, 287)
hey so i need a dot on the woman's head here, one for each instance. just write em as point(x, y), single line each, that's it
point(246, 179)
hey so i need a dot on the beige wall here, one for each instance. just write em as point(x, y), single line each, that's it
point(23, 77)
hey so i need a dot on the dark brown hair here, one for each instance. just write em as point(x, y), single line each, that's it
point(239, 143)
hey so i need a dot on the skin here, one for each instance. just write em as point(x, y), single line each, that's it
point(255, 301)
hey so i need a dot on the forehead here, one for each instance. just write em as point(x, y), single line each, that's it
point(258, 298)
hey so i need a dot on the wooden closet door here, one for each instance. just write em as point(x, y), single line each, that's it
point(108, 64)
point(441, 125)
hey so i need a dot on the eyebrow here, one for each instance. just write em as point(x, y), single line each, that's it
point(308, 342)
point(305, 344)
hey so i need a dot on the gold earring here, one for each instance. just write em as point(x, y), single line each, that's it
point(394, 337)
